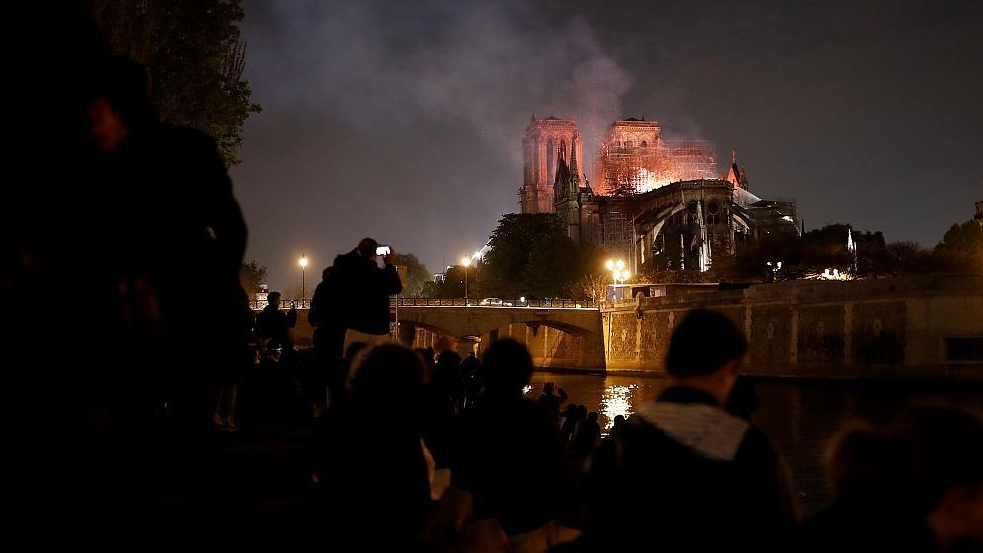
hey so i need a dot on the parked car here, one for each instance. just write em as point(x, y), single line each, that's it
point(491, 302)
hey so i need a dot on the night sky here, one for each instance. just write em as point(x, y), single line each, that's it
point(403, 120)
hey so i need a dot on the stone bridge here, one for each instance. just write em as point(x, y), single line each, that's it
point(557, 337)
point(925, 327)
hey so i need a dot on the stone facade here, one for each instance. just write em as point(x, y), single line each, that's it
point(821, 334)
point(545, 139)
point(901, 328)
point(685, 224)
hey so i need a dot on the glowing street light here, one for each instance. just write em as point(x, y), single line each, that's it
point(303, 277)
point(465, 261)
point(618, 271)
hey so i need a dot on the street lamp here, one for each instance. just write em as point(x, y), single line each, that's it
point(303, 278)
point(618, 272)
point(465, 261)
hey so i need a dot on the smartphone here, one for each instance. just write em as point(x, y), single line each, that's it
point(382, 251)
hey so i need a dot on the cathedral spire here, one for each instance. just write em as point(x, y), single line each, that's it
point(562, 176)
point(574, 184)
point(573, 156)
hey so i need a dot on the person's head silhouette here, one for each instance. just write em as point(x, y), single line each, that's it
point(507, 368)
point(367, 248)
point(389, 377)
point(705, 352)
point(938, 454)
point(119, 102)
point(619, 420)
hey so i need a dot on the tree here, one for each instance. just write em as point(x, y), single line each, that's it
point(192, 51)
point(512, 243)
point(451, 287)
point(909, 258)
point(551, 269)
point(251, 275)
point(431, 289)
point(293, 293)
point(417, 274)
point(966, 238)
point(591, 287)
point(532, 256)
point(961, 249)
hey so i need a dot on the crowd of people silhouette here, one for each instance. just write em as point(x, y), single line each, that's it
point(410, 449)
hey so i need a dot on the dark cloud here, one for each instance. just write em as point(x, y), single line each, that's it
point(403, 120)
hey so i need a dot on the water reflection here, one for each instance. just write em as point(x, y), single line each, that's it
point(610, 396)
point(615, 400)
point(798, 416)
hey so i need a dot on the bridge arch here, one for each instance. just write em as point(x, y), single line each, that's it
point(556, 337)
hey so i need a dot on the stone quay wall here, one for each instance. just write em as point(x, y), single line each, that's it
point(906, 327)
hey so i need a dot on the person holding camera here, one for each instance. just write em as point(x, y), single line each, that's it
point(363, 290)
point(274, 325)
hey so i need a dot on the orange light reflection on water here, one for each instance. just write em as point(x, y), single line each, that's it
point(616, 400)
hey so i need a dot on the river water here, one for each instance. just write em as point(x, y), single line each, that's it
point(799, 416)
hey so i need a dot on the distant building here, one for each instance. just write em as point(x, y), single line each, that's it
point(545, 141)
point(654, 200)
point(979, 211)
point(262, 295)
point(682, 225)
point(635, 158)
point(573, 201)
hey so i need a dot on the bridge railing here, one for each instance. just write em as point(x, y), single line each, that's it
point(257, 305)
point(454, 302)
point(473, 302)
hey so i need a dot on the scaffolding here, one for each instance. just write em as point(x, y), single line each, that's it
point(617, 235)
point(687, 159)
point(627, 169)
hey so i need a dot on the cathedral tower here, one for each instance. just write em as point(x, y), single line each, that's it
point(567, 193)
point(545, 139)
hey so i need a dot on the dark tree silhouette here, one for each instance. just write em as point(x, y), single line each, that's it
point(417, 274)
point(195, 59)
point(251, 275)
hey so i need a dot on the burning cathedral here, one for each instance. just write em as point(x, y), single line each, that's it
point(649, 197)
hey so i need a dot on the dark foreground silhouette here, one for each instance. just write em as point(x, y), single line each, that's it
point(143, 385)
